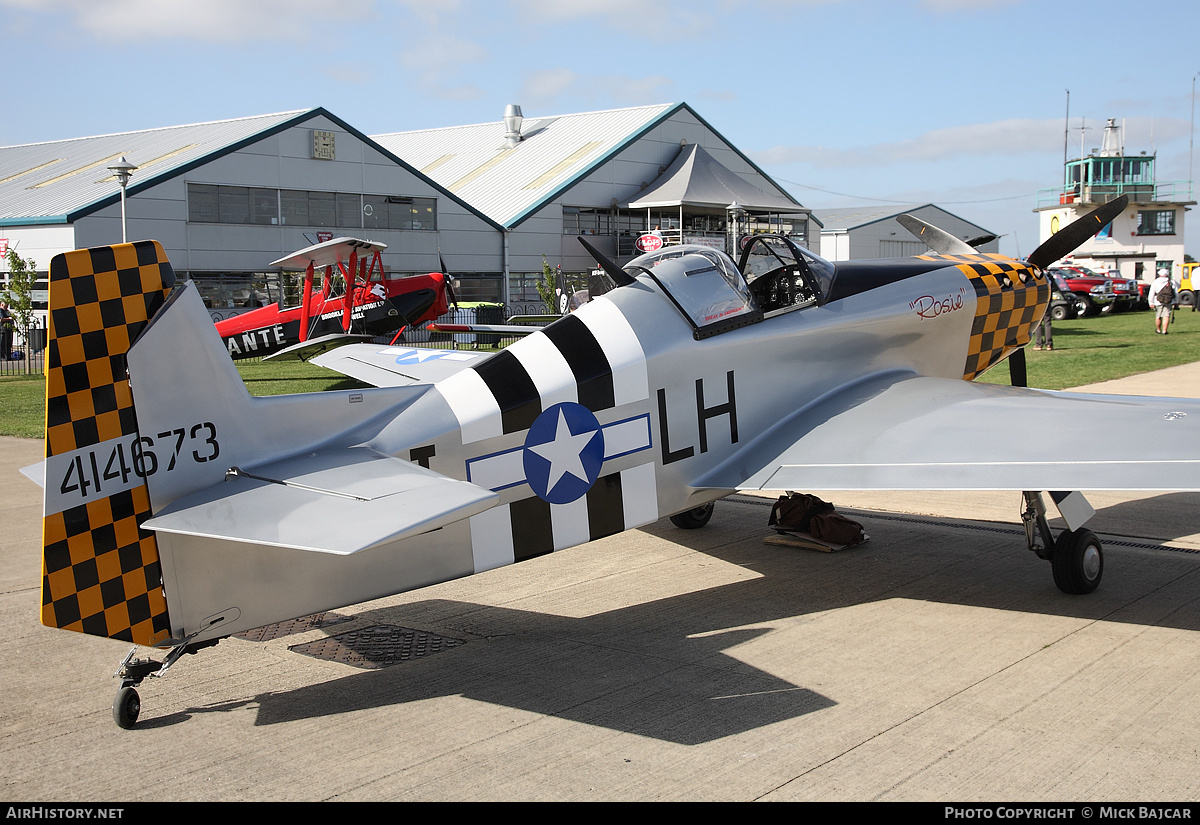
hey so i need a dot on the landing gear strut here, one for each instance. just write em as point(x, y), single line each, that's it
point(128, 705)
point(1076, 556)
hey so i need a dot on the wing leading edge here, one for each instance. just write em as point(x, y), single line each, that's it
point(899, 431)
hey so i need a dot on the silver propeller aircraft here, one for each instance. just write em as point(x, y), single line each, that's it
point(180, 510)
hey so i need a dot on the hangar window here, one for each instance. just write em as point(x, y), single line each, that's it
point(579, 220)
point(208, 203)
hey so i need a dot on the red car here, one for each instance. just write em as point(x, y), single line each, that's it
point(1098, 293)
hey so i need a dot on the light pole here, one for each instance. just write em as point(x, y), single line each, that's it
point(733, 217)
point(123, 169)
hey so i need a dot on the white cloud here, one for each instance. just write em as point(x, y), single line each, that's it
point(213, 21)
point(1005, 137)
point(561, 86)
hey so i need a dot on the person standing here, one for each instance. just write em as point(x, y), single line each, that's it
point(1044, 339)
point(6, 331)
point(1162, 301)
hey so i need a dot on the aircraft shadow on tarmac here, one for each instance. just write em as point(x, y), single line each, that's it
point(663, 669)
point(1165, 517)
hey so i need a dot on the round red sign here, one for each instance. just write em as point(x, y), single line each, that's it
point(648, 243)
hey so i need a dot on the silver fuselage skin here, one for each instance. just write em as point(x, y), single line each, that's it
point(674, 414)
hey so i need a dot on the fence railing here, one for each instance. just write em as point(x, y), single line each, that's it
point(23, 351)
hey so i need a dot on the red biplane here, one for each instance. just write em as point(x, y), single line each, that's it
point(354, 302)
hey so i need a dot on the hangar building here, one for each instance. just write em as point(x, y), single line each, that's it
point(227, 198)
point(612, 174)
point(873, 231)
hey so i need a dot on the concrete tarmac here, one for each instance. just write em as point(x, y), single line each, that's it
point(935, 662)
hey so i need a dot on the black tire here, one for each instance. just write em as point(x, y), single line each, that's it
point(126, 708)
point(1109, 308)
point(1059, 313)
point(1186, 297)
point(1077, 561)
point(1084, 306)
point(693, 519)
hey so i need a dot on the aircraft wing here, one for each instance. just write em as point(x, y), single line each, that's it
point(396, 366)
point(310, 349)
point(899, 431)
point(309, 501)
point(328, 253)
point(500, 329)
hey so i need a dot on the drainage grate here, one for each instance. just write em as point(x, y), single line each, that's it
point(377, 646)
point(288, 628)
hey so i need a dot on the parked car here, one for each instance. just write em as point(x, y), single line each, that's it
point(1098, 293)
point(1064, 305)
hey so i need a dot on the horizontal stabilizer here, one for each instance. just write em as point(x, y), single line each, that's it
point(310, 349)
point(397, 366)
point(336, 501)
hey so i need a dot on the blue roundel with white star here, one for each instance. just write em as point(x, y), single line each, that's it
point(563, 453)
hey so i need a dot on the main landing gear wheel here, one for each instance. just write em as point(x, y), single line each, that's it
point(126, 708)
point(1077, 561)
point(693, 519)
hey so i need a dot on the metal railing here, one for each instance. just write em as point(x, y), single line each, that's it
point(1171, 191)
point(23, 351)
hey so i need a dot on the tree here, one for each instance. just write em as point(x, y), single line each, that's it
point(22, 276)
point(546, 288)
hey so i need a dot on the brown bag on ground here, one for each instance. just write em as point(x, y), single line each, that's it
point(835, 529)
point(794, 511)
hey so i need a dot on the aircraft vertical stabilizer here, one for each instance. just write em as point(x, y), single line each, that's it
point(100, 570)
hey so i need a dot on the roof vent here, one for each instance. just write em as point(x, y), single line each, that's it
point(512, 124)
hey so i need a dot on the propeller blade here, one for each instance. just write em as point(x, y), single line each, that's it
point(448, 281)
point(938, 240)
point(982, 239)
point(1017, 374)
point(1067, 240)
point(615, 272)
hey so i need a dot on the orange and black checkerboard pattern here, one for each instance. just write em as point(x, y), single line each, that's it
point(1010, 299)
point(100, 570)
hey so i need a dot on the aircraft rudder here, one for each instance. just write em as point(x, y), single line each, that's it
point(100, 570)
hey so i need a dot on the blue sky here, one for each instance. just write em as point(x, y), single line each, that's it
point(844, 102)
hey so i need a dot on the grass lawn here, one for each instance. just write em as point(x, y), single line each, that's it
point(1086, 350)
point(23, 397)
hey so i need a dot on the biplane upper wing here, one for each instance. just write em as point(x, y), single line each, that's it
point(382, 366)
point(328, 253)
point(901, 431)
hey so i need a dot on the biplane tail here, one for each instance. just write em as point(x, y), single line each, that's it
point(100, 570)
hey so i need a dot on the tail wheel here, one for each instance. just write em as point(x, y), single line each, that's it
point(693, 519)
point(1077, 561)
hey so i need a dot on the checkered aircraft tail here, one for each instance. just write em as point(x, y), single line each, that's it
point(100, 569)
